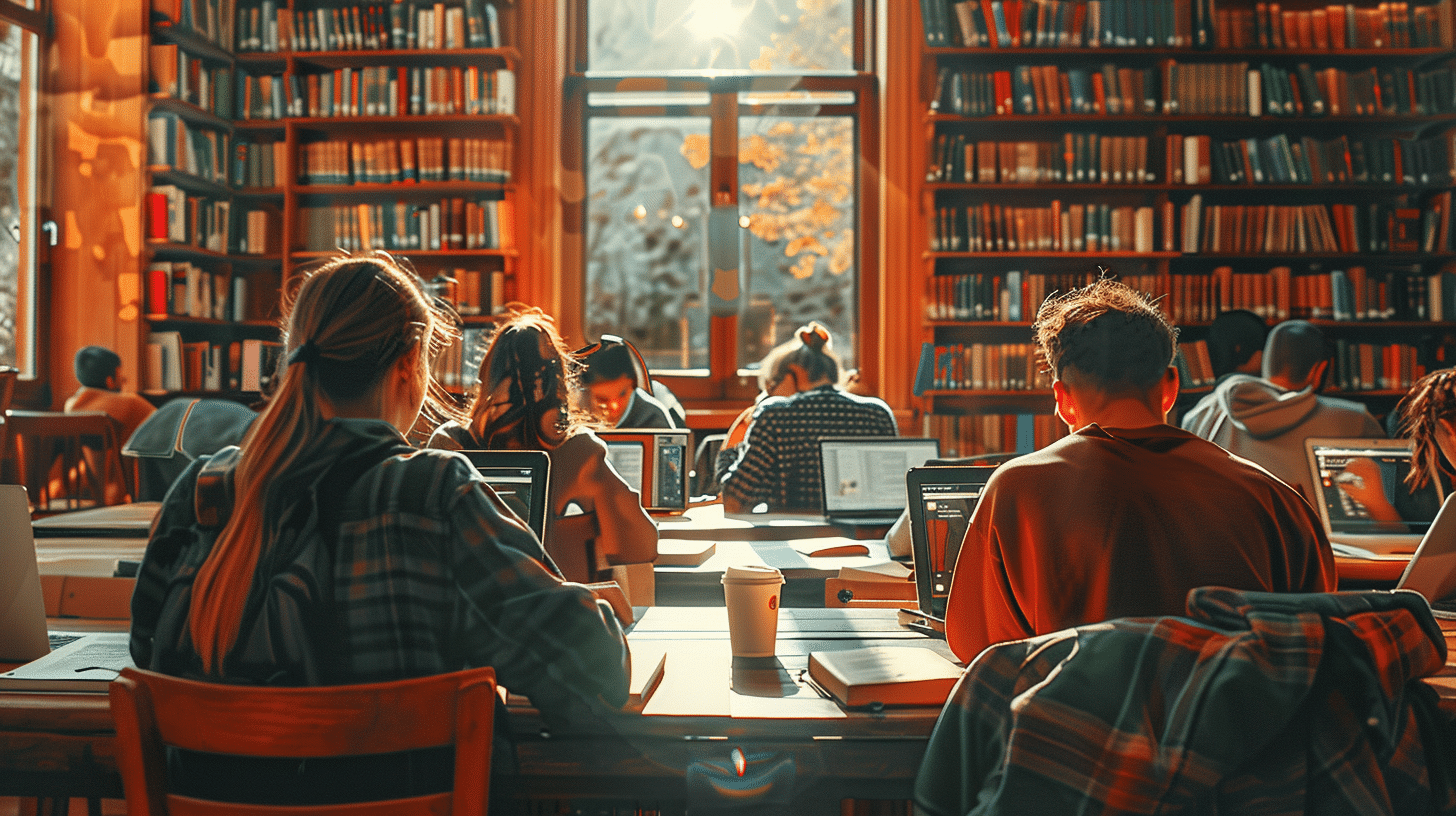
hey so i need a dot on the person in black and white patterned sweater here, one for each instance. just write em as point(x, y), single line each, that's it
point(777, 463)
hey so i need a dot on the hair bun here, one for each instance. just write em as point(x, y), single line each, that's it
point(814, 336)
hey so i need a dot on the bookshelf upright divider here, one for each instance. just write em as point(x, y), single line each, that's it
point(1297, 161)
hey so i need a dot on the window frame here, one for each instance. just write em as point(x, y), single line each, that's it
point(726, 387)
point(32, 329)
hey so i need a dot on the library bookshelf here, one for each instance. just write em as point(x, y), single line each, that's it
point(279, 133)
point(1294, 160)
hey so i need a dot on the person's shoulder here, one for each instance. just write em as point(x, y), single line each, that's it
point(863, 400)
point(451, 435)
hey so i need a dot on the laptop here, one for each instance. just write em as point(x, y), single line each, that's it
point(654, 463)
point(864, 476)
point(1362, 498)
point(522, 479)
point(1432, 570)
point(942, 500)
point(78, 661)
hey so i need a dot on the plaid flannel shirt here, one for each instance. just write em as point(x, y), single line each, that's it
point(778, 462)
point(430, 574)
point(1261, 703)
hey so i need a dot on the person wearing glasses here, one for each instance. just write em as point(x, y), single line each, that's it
point(522, 402)
point(777, 463)
point(612, 382)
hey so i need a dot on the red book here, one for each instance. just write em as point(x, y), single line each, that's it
point(159, 282)
point(157, 216)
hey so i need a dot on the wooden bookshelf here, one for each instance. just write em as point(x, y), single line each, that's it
point(1199, 155)
point(324, 126)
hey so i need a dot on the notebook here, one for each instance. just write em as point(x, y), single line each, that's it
point(864, 476)
point(81, 661)
point(522, 479)
point(653, 463)
point(1363, 500)
point(942, 499)
point(1432, 570)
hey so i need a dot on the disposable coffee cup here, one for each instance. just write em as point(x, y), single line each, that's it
point(751, 594)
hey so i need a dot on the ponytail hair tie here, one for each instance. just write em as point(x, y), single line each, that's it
point(306, 353)
point(814, 336)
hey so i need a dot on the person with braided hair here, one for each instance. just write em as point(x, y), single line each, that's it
point(522, 401)
point(777, 463)
point(1428, 416)
point(1127, 514)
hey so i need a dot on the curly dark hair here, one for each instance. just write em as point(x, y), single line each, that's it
point(1432, 398)
point(1115, 339)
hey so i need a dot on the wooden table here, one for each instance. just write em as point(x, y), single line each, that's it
point(807, 750)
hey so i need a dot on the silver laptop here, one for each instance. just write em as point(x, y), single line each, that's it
point(1362, 497)
point(80, 661)
point(1432, 570)
point(864, 476)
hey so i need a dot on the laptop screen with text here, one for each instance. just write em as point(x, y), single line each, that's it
point(1363, 498)
point(866, 475)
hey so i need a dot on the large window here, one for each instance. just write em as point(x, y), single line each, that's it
point(19, 50)
point(723, 146)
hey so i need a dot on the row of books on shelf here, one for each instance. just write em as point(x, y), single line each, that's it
point(1333, 228)
point(175, 216)
point(175, 143)
point(981, 367)
point(1169, 24)
point(452, 223)
point(979, 434)
point(182, 289)
point(1074, 228)
point(1064, 23)
point(1375, 366)
point(378, 90)
point(212, 20)
point(175, 73)
point(1354, 293)
point(394, 161)
point(256, 164)
point(1279, 159)
point(471, 291)
point(1077, 158)
point(457, 367)
point(1387, 25)
point(175, 365)
point(263, 26)
point(1184, 88)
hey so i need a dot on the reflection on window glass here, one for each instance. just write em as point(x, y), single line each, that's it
point(14, 153)
point(646, 237)
point(770, 36)
point(797, 188)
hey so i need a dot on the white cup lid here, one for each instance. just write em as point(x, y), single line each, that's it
point(752, 574)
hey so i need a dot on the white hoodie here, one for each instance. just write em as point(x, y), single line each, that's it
point(1256, 419)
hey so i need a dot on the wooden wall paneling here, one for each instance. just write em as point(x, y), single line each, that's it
point(901, 157)
point(97, 83)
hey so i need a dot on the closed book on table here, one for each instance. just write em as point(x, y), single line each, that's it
point(884, 675)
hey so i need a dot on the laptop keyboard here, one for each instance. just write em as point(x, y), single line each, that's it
point(59, 639)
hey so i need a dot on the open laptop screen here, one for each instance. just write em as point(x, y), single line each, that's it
point(866, 475)
point(942, 500)
point(654, 464)
point(1363, 498)
point(522, 480)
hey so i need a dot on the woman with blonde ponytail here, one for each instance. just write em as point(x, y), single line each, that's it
point(777, 463)
point(327, 550)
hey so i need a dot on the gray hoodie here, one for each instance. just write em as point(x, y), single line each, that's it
point(1256, 419)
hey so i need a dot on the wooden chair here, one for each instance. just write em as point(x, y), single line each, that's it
point(86, 445)
point(153, 711)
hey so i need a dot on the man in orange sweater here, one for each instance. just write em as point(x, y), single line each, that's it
point(1127, 514)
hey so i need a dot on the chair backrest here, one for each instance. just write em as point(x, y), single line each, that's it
point(705, 465)
point(49, 436)
point(153, 711)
